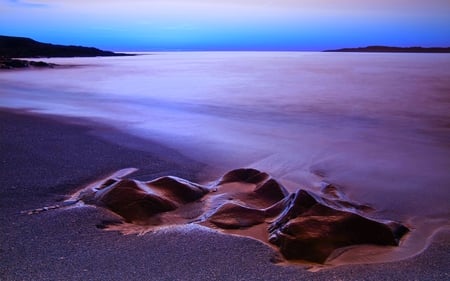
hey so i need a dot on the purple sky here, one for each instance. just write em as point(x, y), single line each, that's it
point(229, 25)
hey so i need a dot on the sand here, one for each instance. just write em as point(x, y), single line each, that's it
point(44, 158)
point(302, 226)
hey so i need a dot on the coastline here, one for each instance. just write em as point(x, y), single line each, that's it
point(391, 49)
point(45, 158)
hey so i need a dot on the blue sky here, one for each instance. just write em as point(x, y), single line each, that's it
point(141, 25)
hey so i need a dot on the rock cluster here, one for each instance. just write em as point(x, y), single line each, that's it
point(303, 225)
point(7, 63)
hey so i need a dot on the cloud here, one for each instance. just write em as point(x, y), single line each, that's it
point(27, 4)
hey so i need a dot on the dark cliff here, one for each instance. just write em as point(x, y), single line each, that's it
point(21, 47)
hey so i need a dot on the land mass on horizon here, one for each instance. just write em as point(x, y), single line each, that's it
point(22, 47)
point(12, 47)
point(390, 49)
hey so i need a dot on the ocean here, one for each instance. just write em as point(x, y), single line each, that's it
point(375, 124)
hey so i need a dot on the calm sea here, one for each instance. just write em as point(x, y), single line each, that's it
point(376, 124)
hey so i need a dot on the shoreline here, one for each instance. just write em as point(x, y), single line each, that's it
point(47, 157)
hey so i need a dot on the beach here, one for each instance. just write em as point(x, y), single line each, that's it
point(44, 159)
point(230, 164)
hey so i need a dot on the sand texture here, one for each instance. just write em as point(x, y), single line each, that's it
point(302, 225)
point(44, 159)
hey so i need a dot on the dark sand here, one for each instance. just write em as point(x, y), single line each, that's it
point(43, 159)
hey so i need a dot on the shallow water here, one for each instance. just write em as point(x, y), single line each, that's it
point(378, 125)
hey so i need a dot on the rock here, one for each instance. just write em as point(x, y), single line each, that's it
point(235, 216)
point(7, 63)
point(178, 190)
point(308, 229)
point(271, 191)
point(40, 64)
point(137, 201)
point(244, 175)
point(129, 200)
point(303, 225)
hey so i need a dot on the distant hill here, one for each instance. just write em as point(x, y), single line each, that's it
point(387, 49)
point(21, 47)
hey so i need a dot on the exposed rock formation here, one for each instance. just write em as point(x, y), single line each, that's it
point(6, 63)
point(303, 225)
point(309, 229)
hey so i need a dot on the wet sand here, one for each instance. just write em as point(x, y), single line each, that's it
point(45, 158)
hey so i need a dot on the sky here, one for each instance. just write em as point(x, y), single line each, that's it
point(149, 25)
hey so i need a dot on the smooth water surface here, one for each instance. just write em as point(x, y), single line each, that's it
point(378, 125)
